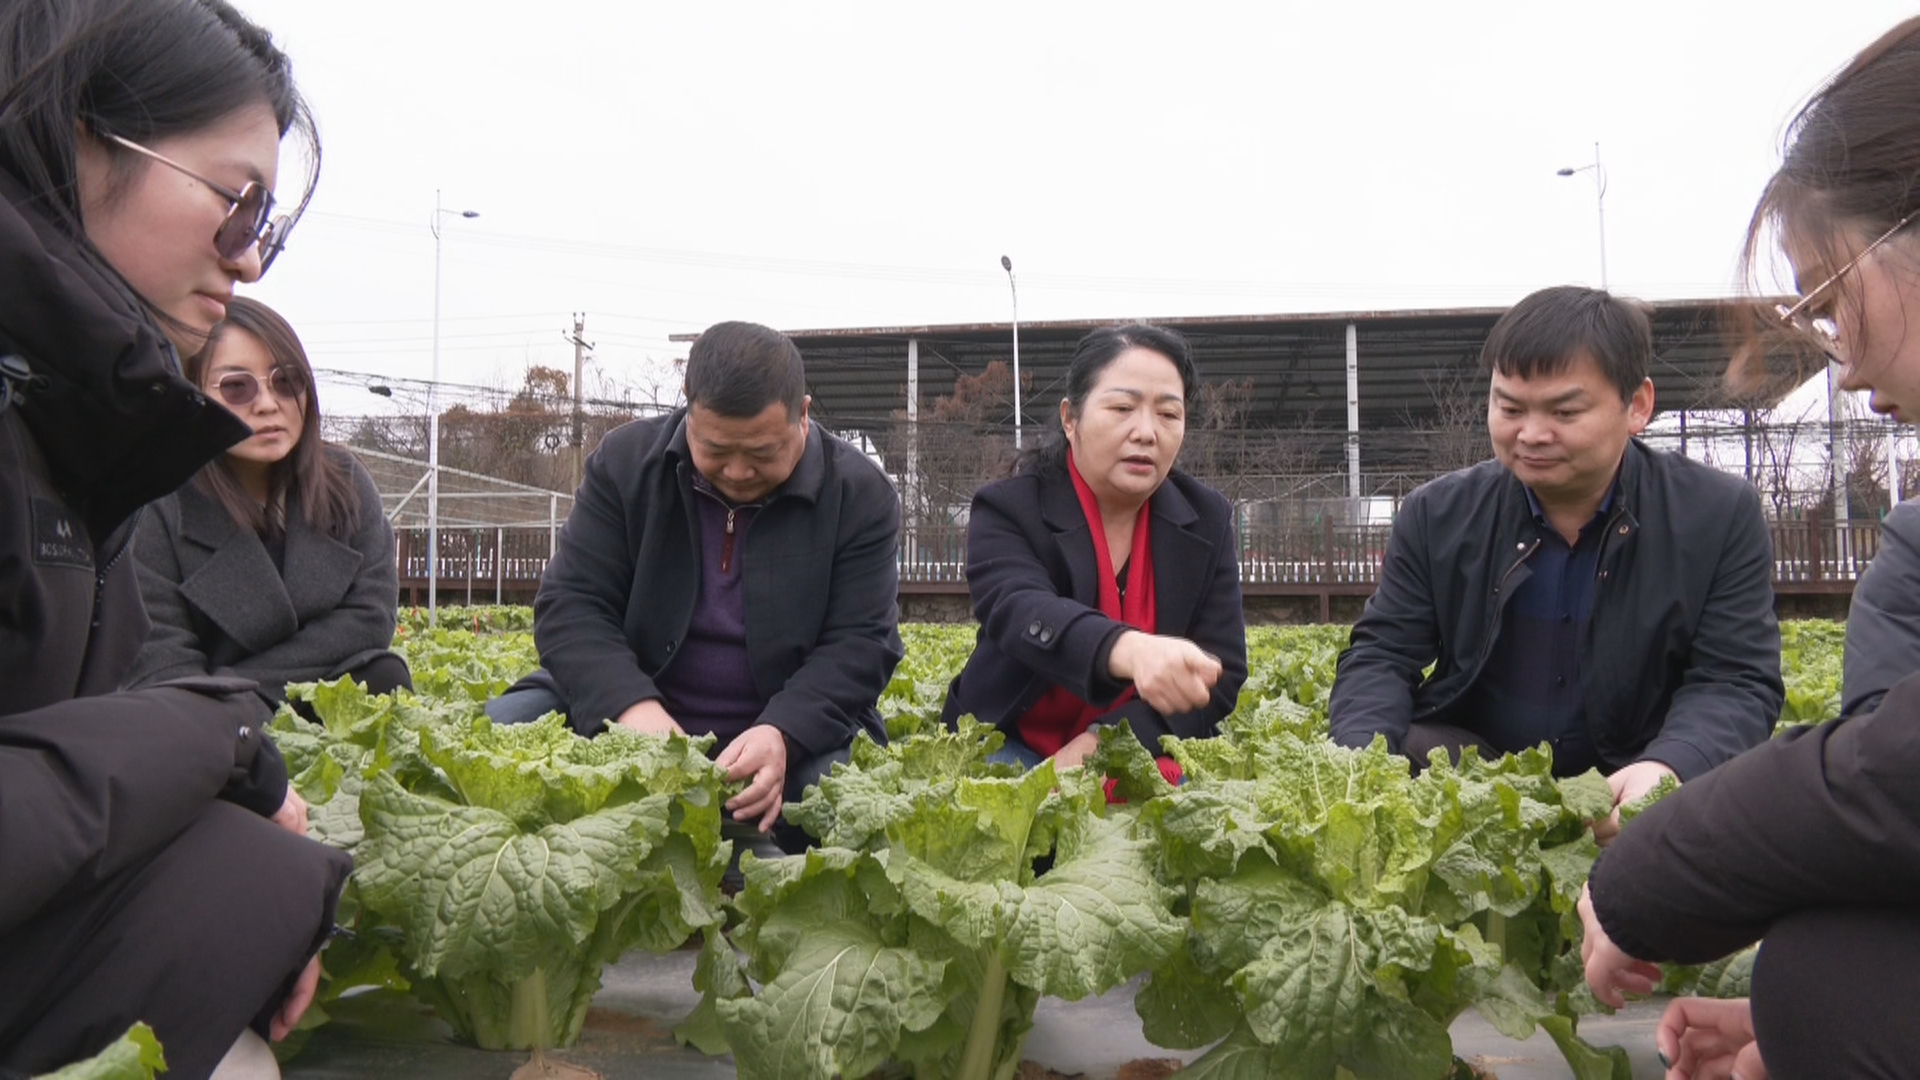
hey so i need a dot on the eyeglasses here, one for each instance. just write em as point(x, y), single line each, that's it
point(1823, 330)
point(238, 388)
point(249, 219)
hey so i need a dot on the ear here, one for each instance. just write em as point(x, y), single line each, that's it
point(1640, 407)
point(1066, 416)
point(806, 404)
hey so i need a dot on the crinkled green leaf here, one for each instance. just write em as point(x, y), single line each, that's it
point(1183, 1006)
point(136, 1056)
point(837, 1008)
point(1320, 997)
point(475, 892)
point(1588, 1062)
point(1240, 1056)
point(1120, 757)
point(1662, 788)
point(1586, 796)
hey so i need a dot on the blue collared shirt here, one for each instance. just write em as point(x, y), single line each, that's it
point(1529, 691)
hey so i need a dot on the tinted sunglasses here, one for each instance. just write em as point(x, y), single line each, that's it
point(249, 219)
point(238, 388)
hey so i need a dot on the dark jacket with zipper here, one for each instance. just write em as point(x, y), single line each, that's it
point(820, 583)
point(126, 837)
point(220, 606)
point(1032, 574)
point(1680, 661)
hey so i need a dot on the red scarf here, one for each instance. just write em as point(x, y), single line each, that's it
point(1059, 717)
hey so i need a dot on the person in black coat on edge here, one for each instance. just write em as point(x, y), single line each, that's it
point(153, 863)
point(1106, 583)
point(1812, 840)
point(276, 562)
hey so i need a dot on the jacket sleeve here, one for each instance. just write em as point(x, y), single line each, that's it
point(90, 785)
point(852, 660)
point(173, 649)
point(364, 619)
point(1397, 636)
point(1816, 817)
point(1219, 627)
point(1883, 623)
point(1730, 695)
point(579, 614)
point(1022, 612)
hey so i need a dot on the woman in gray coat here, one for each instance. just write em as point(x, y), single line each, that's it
point(276, 562)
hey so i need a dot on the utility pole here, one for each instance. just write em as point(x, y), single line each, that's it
point(580, 347)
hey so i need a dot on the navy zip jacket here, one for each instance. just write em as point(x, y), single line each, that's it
point(1680, 662)
point(821, 585)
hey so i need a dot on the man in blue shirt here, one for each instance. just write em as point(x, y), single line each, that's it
point(1581, 590)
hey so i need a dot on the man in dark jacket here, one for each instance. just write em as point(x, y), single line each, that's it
point(1582, 590)
point(728, 568)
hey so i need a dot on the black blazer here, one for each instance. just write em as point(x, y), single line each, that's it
point(1034, 581)
point(220, 607)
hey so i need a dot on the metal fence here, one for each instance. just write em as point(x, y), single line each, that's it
point(501, 563)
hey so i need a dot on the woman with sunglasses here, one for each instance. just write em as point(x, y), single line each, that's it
point(276, 563)
point(152, 865)
point(1811, 841)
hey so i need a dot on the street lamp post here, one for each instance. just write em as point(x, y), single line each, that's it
point(433, 417)
point(1007, 265)
point(1600, 188)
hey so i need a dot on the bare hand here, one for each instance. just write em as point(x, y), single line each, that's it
point(1628, 784)
point(1173, 675)
point(1078, 749)
point(649, 717)
point(1703, 1039)
point(296, 1004)
point(758, 754)
point(1611, 973)
point(292, 815)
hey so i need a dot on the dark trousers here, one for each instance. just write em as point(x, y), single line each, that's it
point(1831, 992)
point(1422, 740)
point(526, 703)
point(200, 940)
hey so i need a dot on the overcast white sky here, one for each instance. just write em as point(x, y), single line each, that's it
point(662, 166)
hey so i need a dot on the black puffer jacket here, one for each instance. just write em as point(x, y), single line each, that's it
point(95, 785)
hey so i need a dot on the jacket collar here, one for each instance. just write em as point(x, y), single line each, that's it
point(1520, 507)
point(1060, 505)
point(118, 424)
point(809, 478)
point(239, 588)
point(1178, 552)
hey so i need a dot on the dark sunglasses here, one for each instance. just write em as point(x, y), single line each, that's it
point(239, 388)
point(249, 219)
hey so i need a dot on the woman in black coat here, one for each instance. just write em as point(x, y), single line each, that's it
point(275, 563)
point(1812, 840)
point(1106, 584)
point(151, 865)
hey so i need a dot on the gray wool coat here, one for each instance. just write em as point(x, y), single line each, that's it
point(219, 606)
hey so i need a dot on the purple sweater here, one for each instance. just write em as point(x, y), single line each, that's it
point(708, 686)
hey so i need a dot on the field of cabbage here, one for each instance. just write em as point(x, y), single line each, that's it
point(1303, 910)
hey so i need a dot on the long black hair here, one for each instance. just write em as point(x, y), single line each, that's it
point(144, 70)
point(1091, 357)
point(322, 487)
